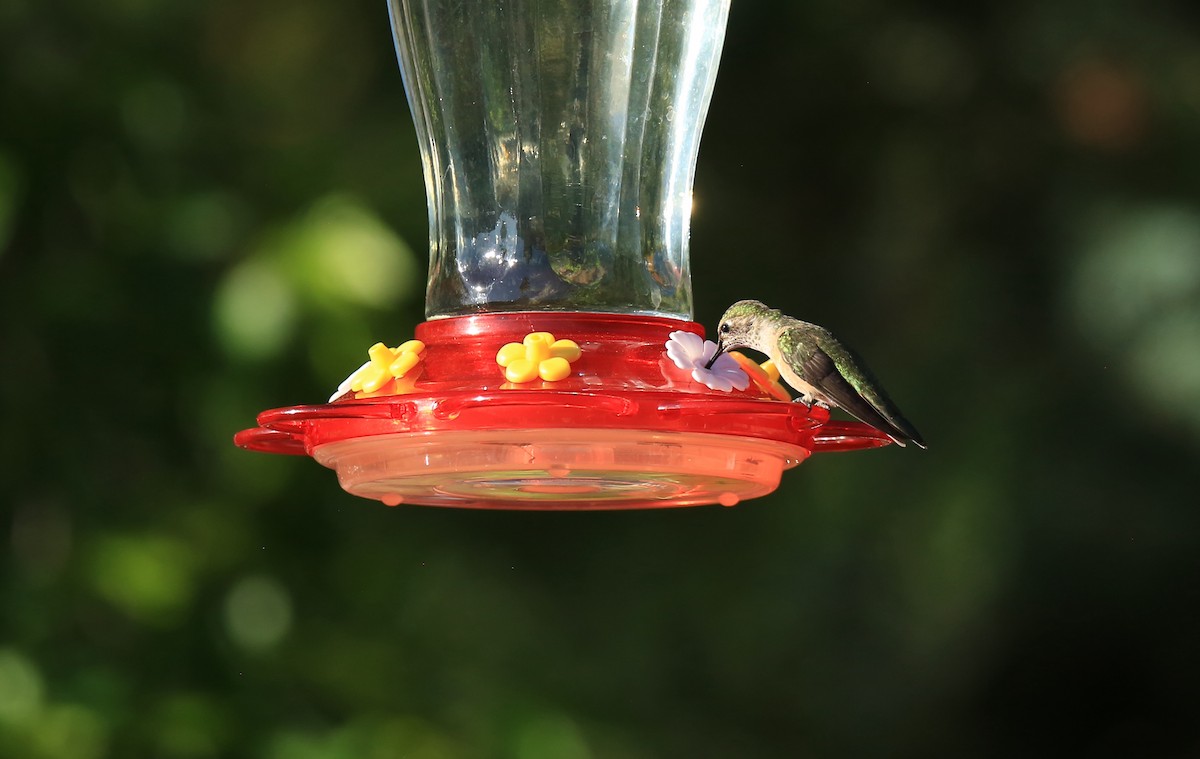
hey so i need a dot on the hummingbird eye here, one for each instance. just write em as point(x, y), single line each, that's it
point(725, 328)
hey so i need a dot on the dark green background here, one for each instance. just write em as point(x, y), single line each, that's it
point(996, 203)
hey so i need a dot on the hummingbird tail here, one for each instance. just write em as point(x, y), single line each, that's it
point(903, 435)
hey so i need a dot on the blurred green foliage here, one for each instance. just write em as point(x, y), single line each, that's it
point(997, 203)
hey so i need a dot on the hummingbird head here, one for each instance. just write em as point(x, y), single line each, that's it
point(739, 327)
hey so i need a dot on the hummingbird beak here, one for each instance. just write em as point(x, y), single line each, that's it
point(713, 360)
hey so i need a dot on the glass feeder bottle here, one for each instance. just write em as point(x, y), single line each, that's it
point(559, 142)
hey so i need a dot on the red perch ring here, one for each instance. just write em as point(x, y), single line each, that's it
point(626, 429)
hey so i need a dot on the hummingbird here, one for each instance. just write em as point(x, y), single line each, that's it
point(816, 364)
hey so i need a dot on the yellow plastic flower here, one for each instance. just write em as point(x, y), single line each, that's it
point(384, 367)
point(538, 355)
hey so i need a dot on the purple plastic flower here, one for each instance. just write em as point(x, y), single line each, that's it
point(691, 353)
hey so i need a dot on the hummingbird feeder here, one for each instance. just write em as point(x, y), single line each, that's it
point(558, 367)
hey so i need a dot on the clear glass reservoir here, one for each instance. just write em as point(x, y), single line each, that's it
point(559, 142)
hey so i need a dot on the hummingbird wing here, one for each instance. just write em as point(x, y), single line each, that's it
point(843, 377)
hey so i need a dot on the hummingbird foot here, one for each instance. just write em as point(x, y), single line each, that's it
point(811, 401)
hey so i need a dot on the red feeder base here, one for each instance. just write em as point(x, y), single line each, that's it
point(627, 429)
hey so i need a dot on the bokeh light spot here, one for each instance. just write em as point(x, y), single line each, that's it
point(255, 311)
point(258, 613)
point(10, 196)
point(21, 688)
point(150, 577)
point(190, 725)
point(917, 62)
point(1166, 362)
point(290, 744)
point(41, 537)
point(70, 731)
point(1136, 297)
point(340, 252)
point(412, 737)
point(204, 226)
point(1102, 105)
point(1135, 263)
point(154, 113)
point(550, 737)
